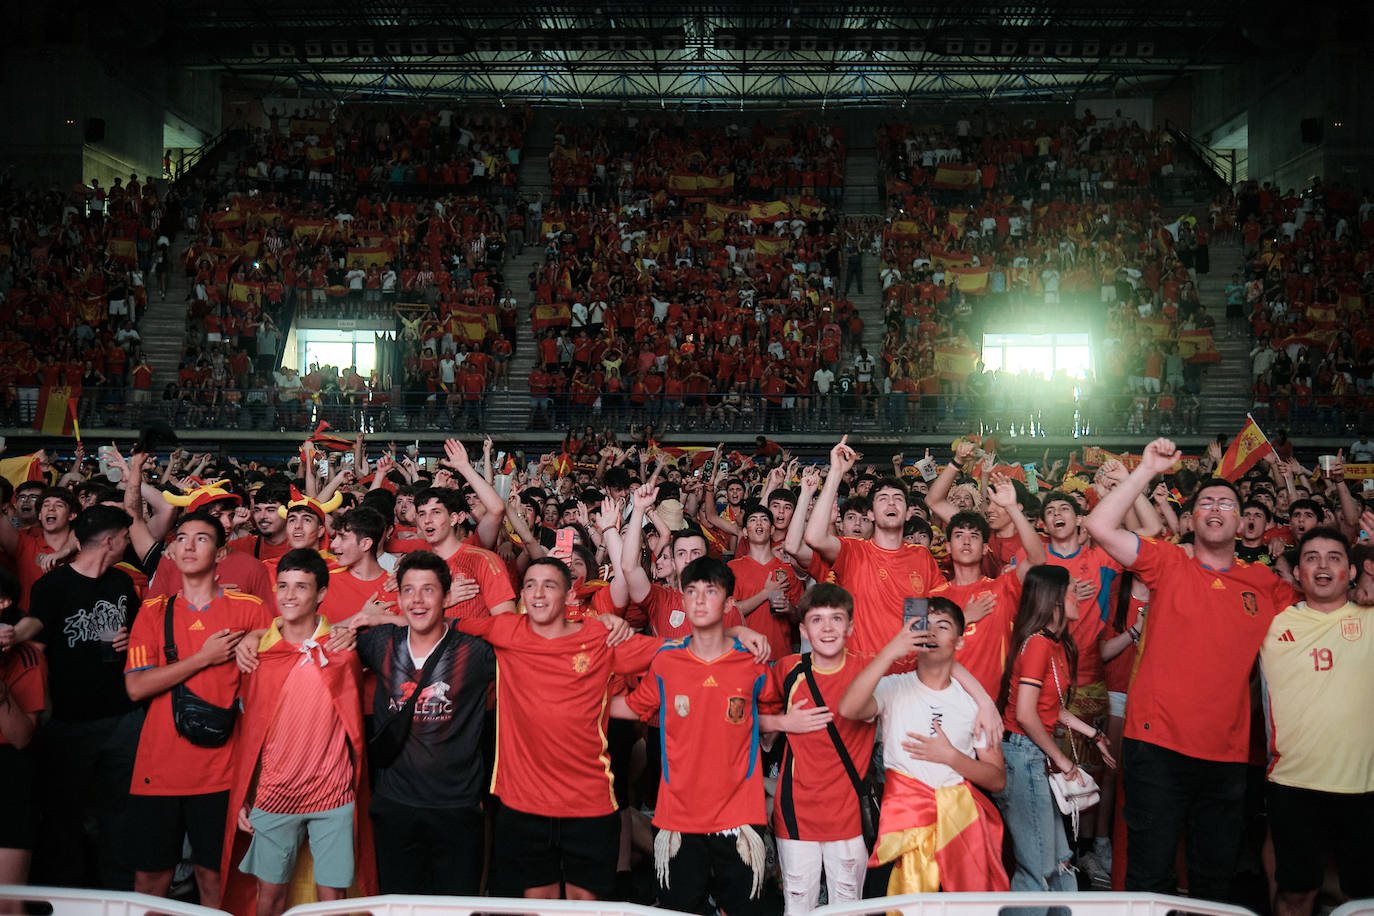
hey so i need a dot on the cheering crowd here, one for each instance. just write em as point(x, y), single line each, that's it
point(973, 677)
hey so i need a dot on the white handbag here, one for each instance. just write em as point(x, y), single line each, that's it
point(1072, 795)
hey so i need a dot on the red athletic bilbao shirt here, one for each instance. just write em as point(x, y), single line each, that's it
point(708, 716)
point(1191, 691)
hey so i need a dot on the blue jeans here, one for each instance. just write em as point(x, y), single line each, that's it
point(1033, 820)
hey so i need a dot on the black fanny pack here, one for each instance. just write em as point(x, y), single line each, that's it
point(202, 723)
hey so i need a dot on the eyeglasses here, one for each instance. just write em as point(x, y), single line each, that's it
point(1207, 505)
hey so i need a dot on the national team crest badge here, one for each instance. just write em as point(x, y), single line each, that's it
point(682, 705)
point(918, 583)
point(1351, 629)
point(581, 662)
point(735, 709)
point(1249, 603)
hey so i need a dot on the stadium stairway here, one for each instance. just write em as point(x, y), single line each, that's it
point(1226, 385)
point(861, 197)
point(163, 326)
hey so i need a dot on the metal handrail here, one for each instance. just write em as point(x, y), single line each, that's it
point(1223, 168)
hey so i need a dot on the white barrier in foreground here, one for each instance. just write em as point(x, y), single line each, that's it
point(402, 905)
point(1094, 903)
point(66, 901)
point(1355, 908)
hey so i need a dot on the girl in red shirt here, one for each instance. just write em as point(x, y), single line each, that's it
point(1036, 687)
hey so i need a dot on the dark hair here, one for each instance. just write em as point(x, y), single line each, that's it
point(99, 521)
point(682, 534)
point(308, 561)
point(969, 520)
point(1124, 598)
point(6, 490)
point(9, 587)
point(556, 564)
point(917, 525)
point(1059, 496)
point(1212, 483)
point(1253, 503)
point(30, 485)
point(277, 493)
point(62, 493)
point(825, 594)
point(889, 483)
point(616, 477)
point(753, 507)
point(710, 570)
point(381, 500)
point(581, 549)
point(364, 522)
point(784, 494)
point(951, 610)
point(1325, 533)
point(1042, 603)
point(856, 503)
point(1310, 505)
point(447, 497)
point(424, 561)
point(204, 517)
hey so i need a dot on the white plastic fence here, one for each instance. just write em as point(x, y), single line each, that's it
point(1355, 908)
point(401, 905)
point(1075, 904)
point(73, 902)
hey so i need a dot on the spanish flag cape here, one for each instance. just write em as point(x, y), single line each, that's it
point(262, 694)
point(942, 839)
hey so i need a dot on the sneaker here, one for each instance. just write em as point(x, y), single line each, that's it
point(1091, 868)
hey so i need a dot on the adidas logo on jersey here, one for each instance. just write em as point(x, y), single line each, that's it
point(709, 682)
point(197, 625)
point(1216, 583)
point(1286, 636)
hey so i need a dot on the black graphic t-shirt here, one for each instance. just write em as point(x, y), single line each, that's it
point(441, 763)
point(76, 612)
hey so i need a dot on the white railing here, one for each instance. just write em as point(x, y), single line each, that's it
point(67, 901)
point(402, 905)
point(1355, 908)
point(1079, 904)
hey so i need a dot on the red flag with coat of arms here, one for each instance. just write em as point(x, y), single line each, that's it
point(1245, 451)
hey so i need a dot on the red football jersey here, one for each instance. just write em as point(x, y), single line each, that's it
point(986, 641)
point(708, 716)
point(880, 580)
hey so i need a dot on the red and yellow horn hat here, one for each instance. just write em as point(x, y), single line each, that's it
point(203, 495)
point(300, 501)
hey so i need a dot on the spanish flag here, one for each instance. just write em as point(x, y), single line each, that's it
point(972, 280)
point(1249, 446)
point(56, 410)
point(946, 839)
point(1198, 346)
point(953, 363)
point(955, 177)
point(122, 249)
point(21, 468)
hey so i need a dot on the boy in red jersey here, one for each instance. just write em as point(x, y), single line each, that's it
point(1187, 738)
point(439, 511)
point(270, 542)
point(815, 809)
point(941, 834)
point(180, 788)
point(881, 572)
point(766, 588)
point(557, 832)
point(988, 605)
point(359, 587)
point(712, 700)
point(298, 762)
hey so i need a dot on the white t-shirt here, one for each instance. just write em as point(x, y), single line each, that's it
point(823, 378)
point(907, 705)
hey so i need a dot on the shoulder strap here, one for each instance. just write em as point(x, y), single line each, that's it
point(169, 638)
point(830, 728)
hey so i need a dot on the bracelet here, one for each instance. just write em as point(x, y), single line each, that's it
point(1134, 633)
point(1097, 734)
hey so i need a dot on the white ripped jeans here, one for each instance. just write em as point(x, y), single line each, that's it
point(845, 863)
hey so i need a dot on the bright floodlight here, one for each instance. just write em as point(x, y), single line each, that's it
point(1042, 354)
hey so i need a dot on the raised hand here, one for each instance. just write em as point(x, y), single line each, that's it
point(842, 457)
point(1161, 455)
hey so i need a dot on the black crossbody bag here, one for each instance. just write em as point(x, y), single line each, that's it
point(199, 722)
point(869, 803)
point(386, 745)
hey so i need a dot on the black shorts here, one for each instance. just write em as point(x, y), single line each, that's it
point(531, 850)
point(18, 815)
point(1235, 311)
point(1308, 826)
point(159, 822)
point(710, 864)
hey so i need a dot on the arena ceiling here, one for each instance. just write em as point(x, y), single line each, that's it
point(719, 54)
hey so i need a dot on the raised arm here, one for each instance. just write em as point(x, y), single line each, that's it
point(937, 500)
point(1104, 522)
point(636, 579)
point(820, 534)
point(1003, 493)
point(795, 540)
point(490, 525)
point(858, 702)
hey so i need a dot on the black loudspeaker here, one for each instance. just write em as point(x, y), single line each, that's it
point(1311, 130)
point(95, 130)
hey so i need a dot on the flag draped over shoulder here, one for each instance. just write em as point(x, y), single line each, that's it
point(1245, 451)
